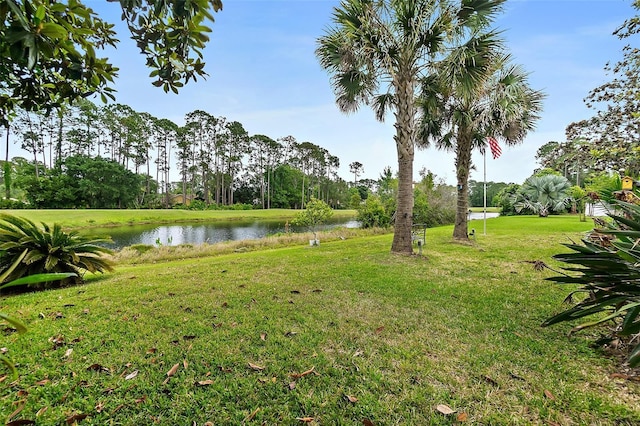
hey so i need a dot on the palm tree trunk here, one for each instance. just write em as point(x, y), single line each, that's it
point(405, 118)
point(463, 165)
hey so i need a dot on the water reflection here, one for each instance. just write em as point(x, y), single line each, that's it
point(202, 232)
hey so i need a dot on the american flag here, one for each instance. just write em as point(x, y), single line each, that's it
point(494, 147)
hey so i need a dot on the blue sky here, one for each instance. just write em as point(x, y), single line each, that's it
point(263, 72)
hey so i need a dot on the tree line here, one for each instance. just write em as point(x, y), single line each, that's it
point(216, 159)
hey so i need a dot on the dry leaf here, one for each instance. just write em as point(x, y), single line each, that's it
point(367, 422)
point(445, 409)
point(295, 291)
point(152, 351)
point(20, 422)
point(141, 400)
point(43, 382)
point(99, 407)
point(549, 395)
point(252, 415)
point(20, 407)
point(42, 411)
point(185, 364)
point(379, 329)
point(490, 380)
point(256, 367)
point(304, 373)
point(305, 419)
point(205, 382)
point(131, 375)
point(99, 368)
point(292, 385)
point(462, 417)
point(552, 423)
point(67, 353)
point(75, 418)
point(358, 353)
point(263, 336)
point(352, 399)
point(173, 370)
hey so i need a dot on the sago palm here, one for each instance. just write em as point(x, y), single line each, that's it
point(377, 52)
point(27, 249)
point(477, 93)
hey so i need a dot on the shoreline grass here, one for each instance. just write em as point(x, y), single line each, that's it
point(338, 333)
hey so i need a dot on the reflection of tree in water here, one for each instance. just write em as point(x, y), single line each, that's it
point(202, 232)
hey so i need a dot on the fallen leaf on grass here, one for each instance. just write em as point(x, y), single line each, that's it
point(20, 422)
point(352, 399)
point(305, 419)
point(552, 423)
point(292, 385)
point(21, 404)
point(43, 382)
point(225, 369)
point(252, 415)
point(263, 336)
point(379, 329)
point(462, 417)
point(317, 290)
point(256, 367)
point(42, 411)
point(67, 353)
point(173, 370)
point(76, 418)
point(141, 400)
point(131, 375)
point(205, 382)
point(549, 395)
point(295, 291)
point(367, 422)
point(304, 373)
point(490, 380)
point(290, 333)
point(445, 409)
point(99, 407)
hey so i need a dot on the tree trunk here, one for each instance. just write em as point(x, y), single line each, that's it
point(463, 165)
point(7, 168)
point(405, 133)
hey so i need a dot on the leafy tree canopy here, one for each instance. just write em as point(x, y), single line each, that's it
point(613, 132)
point(48, 48)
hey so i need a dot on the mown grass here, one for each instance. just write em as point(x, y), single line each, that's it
point(98, 218)
point(338, 333)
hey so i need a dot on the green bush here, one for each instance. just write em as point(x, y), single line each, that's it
point(26, 249)
point(606, 267)
point(372, 213)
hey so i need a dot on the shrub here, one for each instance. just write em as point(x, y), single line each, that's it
point(372, 213)
point(26, 249)
point(606, 267)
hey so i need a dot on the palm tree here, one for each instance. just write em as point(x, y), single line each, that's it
point(377, 52)
point(477, 94)
point(543, 195)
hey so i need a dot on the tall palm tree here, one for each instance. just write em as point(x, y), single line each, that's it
point(478, 93)
point(377, 52)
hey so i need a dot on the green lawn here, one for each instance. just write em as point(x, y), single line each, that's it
point(338, 333)
point(96, 218)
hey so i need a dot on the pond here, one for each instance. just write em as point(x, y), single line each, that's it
point(198, 233)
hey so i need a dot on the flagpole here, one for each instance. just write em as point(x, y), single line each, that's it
point(485, 191)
